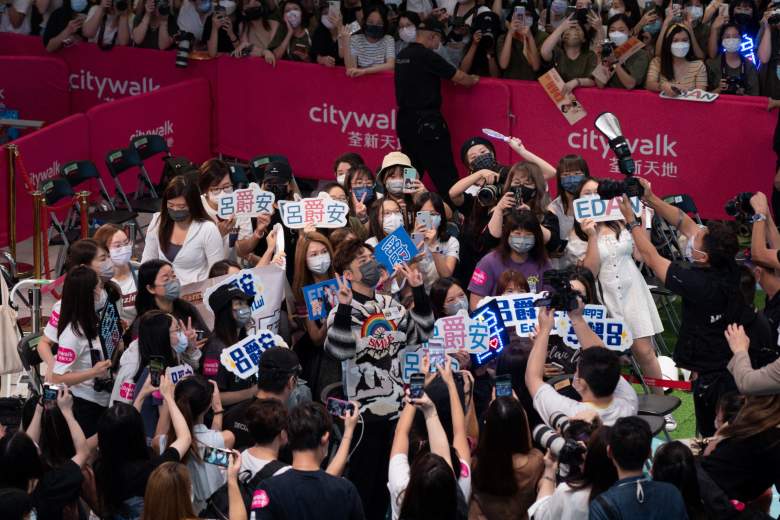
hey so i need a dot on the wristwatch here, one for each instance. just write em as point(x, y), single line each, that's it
point(758, 217)
point(631, 225)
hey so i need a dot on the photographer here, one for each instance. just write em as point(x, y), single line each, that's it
point(64, 25)
point(769, 51)
point(108, 23)
point(630, 74)
point(480, 57)
point(153, 28)
point(711, 299)
point(219, 29)
point(260, 32)
point(730, 72)
point(518, 55)
point(597, 378)
point(573, 58)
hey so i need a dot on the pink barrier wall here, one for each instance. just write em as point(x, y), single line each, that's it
point(43, 153)
point(710, 151)
point(46, 99)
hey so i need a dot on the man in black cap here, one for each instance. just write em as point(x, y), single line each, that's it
point(422, 130)
point(277, 379)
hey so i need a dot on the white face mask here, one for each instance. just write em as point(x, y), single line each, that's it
point(229, 5)
point(612, 12)
point(341, 178)
point(107, 270)
point(121, 255)
point(395, 186)
point(680, 49)
point(408, 33)
point(696, 11)
point(318, 264)
point(100, 301)
point(618, 38)
point(328, 25)
point(294, 17)
point(392, 222)
point(731, 44)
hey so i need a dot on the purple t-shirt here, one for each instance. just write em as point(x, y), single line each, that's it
point(489, 269)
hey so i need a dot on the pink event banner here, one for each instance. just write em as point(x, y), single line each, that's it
point(43, 153)
point(46, 99)
point(312, 114)
point(710, 151)
point(180, 113)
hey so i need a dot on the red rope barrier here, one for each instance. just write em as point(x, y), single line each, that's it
point(663, 383)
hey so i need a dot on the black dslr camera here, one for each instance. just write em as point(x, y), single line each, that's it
point(609, 189)
point(734, 83)
point(163, 7)
point(562, 297)
point(184, 42)
point(739, 207)
point(607, 49)
point(609, 126)
point(562, 440)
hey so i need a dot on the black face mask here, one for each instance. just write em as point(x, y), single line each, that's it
point(742, 19)
point(253, 13)
point(486, 161)
point(280, 191)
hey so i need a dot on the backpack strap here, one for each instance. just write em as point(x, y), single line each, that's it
point(268, 471)
point(608, 507)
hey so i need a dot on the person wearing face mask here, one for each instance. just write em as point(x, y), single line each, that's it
point(629, 8)
point(260, 32)
point(344, 163)
point(407, 30)
point(709, 286)
point(521, 249)
point(313, 264)
point(631, 73)
point(152, 29)
point(370, 50)
point(368, 331)
point(220, 28)
point(730, 72)
point(325, 42)
point(571, 172)
point(769, 56)
point(745, 14)
point(448, 298)
point(297, 42)
point(573, 58)
point(391, 177)
point(80, 357)
point(554, 14)
point(361, 186)
point(114, 240)
point(518, 55)
point(441, 251)
point(687, 17)
point(159, 289)
point(192, 18)
point(385, 217)
point(214, 181)
point(108, 23)
point(63, 27)
point(676, 69)
point(183, 234)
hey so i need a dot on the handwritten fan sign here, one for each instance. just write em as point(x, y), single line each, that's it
point(567, 104)
point(395, 248)
point(321, 212)
point(601, 210)
point(696, 95)
point(630, 47)
point(243, 358)
point(249, 281)
point(248, 202)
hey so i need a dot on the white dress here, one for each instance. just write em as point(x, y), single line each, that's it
point(623, 289)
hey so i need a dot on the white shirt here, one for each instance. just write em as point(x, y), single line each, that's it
point(50, 330)
point(201, 249)
point(127, 306)
point(73, 355)
point(254, 465)
point(242, 226)
point(564, 504)
point(189, 20)
point(21, 6)
point(398, 479)
point(124, 385)
point(112, 26)
point(624, 403)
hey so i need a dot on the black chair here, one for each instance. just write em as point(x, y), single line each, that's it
point(655, 423)
point(58, 234)
point(27, 348)
point(658, 406)
point(104, 212)
point(126, 159)
point(147, 146)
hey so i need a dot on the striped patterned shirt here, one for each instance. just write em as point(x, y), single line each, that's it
point(368, 54)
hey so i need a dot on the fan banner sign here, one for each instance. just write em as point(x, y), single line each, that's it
point(396, 248)
point(248, 202)
point(601, 210)
point(412, 361)
point(518, 310)
point(243, 358)
point(321, 212)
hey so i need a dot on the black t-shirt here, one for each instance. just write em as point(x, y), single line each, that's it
point(745, 468)
point(235, 421)
point(772, 313)
point(322, 44)
point(475, 240)
point(57, 489)
point(418, 71)
point(226, 380)
point(223, 40)
point(304, 495)
point(136, 474)
point(57, 23)
point(710, 302)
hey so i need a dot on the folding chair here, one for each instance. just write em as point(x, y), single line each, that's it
point(57, 234)
point(120, 161)
point(147, 146)
point(79, 172)
point(27, 348)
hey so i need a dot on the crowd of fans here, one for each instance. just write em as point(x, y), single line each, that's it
point(118, 439)
point(725, 47)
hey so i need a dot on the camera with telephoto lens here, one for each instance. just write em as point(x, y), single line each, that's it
point(734, 83)
point(607, 48)
point(163, 7)
point(562, 441)
point(183, 47)
point(609, 189)
point(488, 24)
point(607, 123)
point(774, 18)
point(740, 207)
point(561, 297)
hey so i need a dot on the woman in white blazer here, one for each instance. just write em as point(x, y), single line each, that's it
point(183, 234)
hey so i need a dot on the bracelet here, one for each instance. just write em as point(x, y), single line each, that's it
point(219, 412)
point(631, 225)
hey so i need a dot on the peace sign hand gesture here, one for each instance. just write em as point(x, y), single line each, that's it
point(345, 293)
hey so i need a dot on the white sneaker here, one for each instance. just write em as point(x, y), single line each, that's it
point(671, 423)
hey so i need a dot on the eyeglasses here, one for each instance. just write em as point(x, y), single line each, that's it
point(221, 189)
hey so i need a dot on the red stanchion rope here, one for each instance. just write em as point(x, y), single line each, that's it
point(662, 383)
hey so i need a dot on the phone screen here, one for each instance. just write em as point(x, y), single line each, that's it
point(416, 386)
point(156, 367)
point(519, 11)
point(50, 393)
point(410, 175)
point(216, 456)
point(504, 386)
point(339, 408)
point(424, 219)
